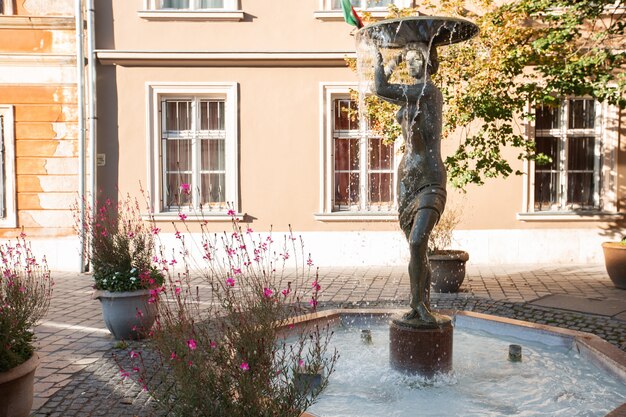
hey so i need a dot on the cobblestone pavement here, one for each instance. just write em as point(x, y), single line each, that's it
point(79, 376)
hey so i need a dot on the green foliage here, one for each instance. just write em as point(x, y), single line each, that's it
point(529, 52)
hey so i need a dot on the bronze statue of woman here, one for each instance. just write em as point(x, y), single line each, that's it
point(421, 174)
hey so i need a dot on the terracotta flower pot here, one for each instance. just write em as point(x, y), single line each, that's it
point(615, 262)
point(17, 388)
point(447, 270)
point(127, 315)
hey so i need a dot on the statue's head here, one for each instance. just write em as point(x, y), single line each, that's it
point(417, 55)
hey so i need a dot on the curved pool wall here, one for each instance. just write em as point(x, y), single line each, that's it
point(589, 347)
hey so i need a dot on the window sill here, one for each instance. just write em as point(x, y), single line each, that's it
point(217, 15)
point(599, 216)
point(190, 217)
point(356, 216)
point(335, 16)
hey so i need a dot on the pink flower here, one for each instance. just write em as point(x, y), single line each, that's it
point(136, 369)
point(124, 374)
point(244, 366)
point(182, 216)
point(213, 344)
point(230, 282)
point(185, 188)
point(236, 271)
point(22, 289)
point(313, 302)
point(286, 291)
point(316, 286)
point(139, 313)
point(232, 213)
point(155, 230)
point(134, 354)
point(177, 290)
point(249, 230)
point(173, 356)
point(191, 344)
point(300, 363)
point(309, 262)
point(267, 292)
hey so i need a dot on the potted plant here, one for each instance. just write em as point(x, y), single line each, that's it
point(615, 262)
point(25, 290)
point(120, 254)
point(447, 265)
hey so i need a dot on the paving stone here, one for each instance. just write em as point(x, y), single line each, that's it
point(585, 305)
point(79, 349)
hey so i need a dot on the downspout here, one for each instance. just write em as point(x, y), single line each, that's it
point(80, 86)
point(92, 114)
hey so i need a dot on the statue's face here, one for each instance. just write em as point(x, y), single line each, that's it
point(415, 62)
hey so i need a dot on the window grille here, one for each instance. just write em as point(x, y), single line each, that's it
point(193, 145)
point(570, 134)
point(363, 164)
point(189, 4)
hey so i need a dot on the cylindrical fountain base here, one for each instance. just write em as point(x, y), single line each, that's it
point(425, 351)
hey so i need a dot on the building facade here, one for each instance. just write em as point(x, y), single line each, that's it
point(243, 103)
point(39, 164)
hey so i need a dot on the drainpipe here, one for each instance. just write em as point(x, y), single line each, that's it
point(92, 114)
point(80, 86)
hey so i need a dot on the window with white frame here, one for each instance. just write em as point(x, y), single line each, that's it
point(360, 4)
point(369, 5)
point(191, 5)
point(360, 167)
point(194, 161)
point(8, 214)
point(577, 135)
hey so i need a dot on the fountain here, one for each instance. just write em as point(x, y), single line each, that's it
point(420, 340)
point(504, 367)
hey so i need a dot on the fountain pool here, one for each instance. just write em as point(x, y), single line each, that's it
point(562, 373)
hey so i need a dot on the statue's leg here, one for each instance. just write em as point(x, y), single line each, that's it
point(419, 268)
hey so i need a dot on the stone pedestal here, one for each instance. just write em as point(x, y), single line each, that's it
point(425, 351)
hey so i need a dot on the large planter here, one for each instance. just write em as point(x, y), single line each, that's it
point(17, 388)
point(615, 262)
point(127, 315)
point(447, 270)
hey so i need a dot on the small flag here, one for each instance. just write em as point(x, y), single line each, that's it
point(350, 15)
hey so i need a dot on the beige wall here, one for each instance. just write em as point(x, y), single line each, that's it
point(279, 119)
point(268, 25)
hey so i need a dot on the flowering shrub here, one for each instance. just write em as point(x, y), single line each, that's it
point(122, 247)
point(25, 290)
point(234, 351)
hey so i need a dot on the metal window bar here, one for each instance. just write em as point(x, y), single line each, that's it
point(362, 4)
point(187, 139)
point(353, 176)
point(190, 4)
point(565, 190)
point(211, 162)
